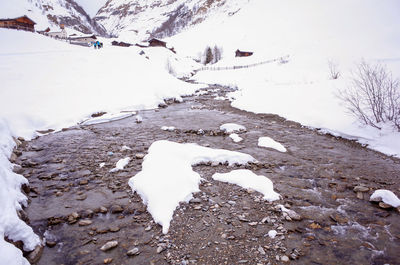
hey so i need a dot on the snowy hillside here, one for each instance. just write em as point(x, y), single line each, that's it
point(137, 20)
point(62, 92)
point(314, 34)
point(52, 13)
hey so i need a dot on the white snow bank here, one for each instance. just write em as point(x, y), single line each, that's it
point(386, 196)
point(11, 200)
point(247, 179)
point(167, 177)
point(121, 164)
point(271, 143)
point(232, 128)
point(235, 137)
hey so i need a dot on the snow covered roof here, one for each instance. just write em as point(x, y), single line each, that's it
point(77, 37)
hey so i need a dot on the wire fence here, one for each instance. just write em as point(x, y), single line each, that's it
point(283, 59)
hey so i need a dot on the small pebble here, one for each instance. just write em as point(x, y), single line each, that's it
point(109, 245)
point(132, 252)
point(108, 260)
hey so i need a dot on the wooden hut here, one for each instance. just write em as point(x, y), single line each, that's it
point(157, 43)
point(20, 23)
point(242, 54)
point(122, 44)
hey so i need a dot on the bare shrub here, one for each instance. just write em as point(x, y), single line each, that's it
point(217, 52)
point(333, 70)
point(170, 67)
point(373, 95)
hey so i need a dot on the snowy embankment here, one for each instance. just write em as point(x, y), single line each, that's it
point(49, 84)
point(11, 200)
point(316, 34)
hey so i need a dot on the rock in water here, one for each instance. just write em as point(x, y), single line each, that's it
point(85, 222)
point(116, 209)
point(35, 255)
point(132, 252)
point(109, 245)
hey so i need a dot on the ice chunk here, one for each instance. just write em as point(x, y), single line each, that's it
point(235, 137)
point(121, 164)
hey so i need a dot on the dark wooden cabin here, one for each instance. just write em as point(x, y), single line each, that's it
point(242, 54)
point(20, 23)
point(157, 43)
point(122, 44)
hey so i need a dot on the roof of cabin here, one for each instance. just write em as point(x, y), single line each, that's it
point(10, 19)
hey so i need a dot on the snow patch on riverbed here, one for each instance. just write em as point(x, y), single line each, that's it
point(232, 128)
point(386, 196)
point(235, 137)
point(248, 180)
point(271, 143)
point(167, 177)
point(121, 164)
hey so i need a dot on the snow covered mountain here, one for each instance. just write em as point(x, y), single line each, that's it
point(52, 13)
point(142, 19)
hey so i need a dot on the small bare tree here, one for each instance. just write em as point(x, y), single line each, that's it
point(217, 51)
point(333, 70)
point(170, 68)
point(373, 96)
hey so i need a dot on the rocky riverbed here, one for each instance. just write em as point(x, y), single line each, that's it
point(89, 215)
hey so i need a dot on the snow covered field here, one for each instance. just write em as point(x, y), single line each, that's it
point(49, 84)
point(313, 33)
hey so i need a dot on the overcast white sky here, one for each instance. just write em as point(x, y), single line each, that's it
point(91, 6)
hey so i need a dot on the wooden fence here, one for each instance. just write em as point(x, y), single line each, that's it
point(220, 68)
